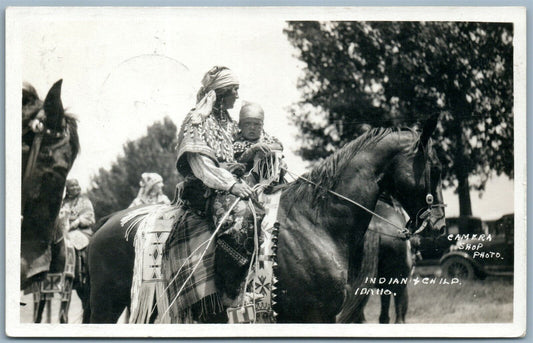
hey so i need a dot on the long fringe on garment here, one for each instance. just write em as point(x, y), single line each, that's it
point(154, 224)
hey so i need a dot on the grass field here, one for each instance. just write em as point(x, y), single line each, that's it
point(487, 301)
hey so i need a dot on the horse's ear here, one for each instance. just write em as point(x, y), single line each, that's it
point(53, 107)
point(428, 129)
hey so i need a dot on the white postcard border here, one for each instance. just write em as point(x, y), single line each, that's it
point(13, 132)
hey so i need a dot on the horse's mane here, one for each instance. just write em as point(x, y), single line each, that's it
point(326, 174)
point(31, 104)
point(29, 94)
point(72, 123)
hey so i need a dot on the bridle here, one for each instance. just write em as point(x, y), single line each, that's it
point(427, 212)
point(403, 232)
point(35, 150)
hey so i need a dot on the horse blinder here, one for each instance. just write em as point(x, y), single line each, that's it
point(430, 213)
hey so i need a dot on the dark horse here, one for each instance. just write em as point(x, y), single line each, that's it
point(49, 147)
point(317, 251)
point(65, 274)
point(386, 265)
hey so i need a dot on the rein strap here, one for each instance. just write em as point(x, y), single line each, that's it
point(401, 230)
point(30, 166)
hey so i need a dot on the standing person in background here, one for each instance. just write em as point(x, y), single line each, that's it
point(151, 191)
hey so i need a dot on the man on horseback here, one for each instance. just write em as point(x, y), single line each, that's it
point(80, 212)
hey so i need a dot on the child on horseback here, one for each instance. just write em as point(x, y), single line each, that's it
point(252, 141)
point(256, 151)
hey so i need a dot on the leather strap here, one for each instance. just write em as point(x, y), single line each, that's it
point(30, 166)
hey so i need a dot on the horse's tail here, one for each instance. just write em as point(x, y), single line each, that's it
point(352, 310)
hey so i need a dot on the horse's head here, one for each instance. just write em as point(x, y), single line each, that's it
point(416, 180)
point(57, 130)
point(49, 147)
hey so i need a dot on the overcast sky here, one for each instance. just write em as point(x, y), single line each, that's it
point(122, 71)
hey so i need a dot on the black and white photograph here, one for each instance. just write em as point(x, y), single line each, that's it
point(362, 170)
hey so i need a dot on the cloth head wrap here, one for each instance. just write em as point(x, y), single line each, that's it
point(147, 183)
point(216, 78)
point(251, 110)
point(148, 180)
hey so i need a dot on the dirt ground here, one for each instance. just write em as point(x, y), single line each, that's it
point(487, 301)
point(74, 315)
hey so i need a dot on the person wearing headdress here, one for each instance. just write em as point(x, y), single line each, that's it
point(204, 158)
point(151, 191)
point(205, 141)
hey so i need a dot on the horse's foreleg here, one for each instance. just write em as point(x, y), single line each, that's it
point(107, 302)
point(63, 312)
point(385, 304)
point(360, 314)
point(401, 302)
point(38, 306)
point(48, 305)
point(86, 312)
point(81, 284)
point(66, 295)
point(84, 295)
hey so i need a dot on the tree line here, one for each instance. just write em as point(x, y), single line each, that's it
point(360, 74)
point(115, 188)
point(398, 74)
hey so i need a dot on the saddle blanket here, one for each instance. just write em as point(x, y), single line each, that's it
point(39, 265)
point(168, 270)
point(259, 298)
point(239, 315)
point(264, 280)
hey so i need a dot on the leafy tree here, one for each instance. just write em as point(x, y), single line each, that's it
point(399, 73)
point(115, 189)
